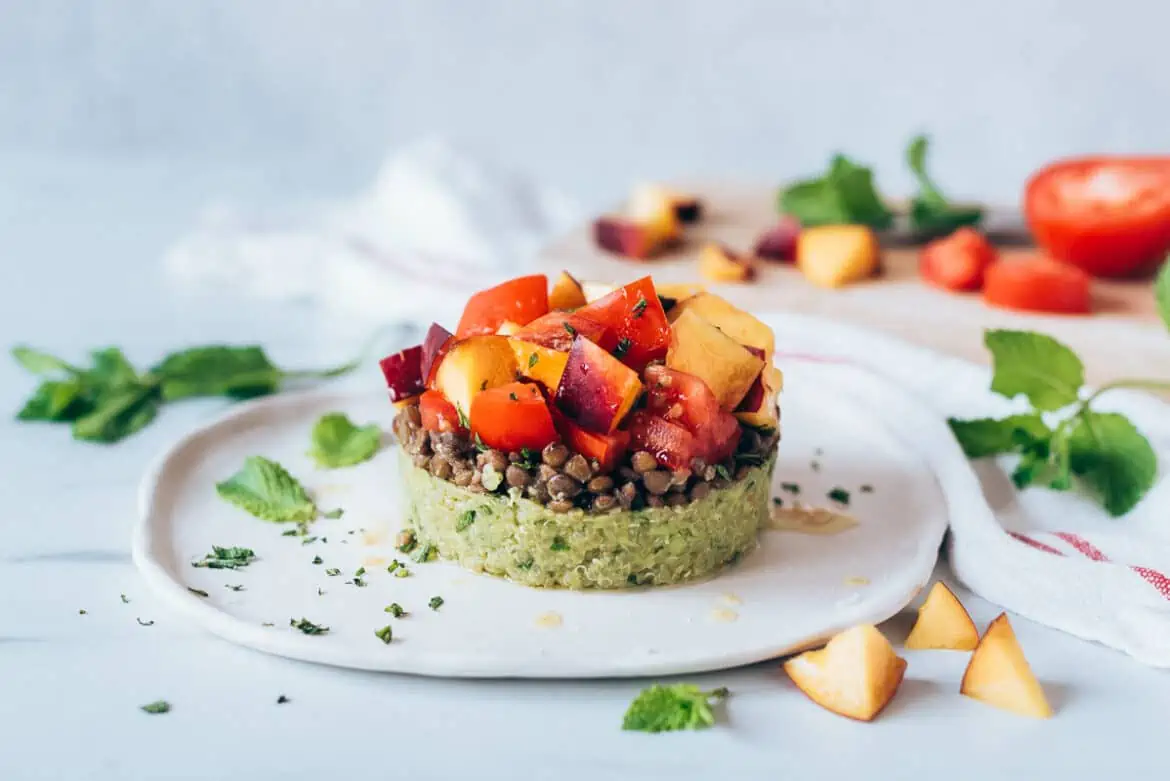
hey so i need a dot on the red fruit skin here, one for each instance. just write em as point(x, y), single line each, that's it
point(512, 417)
point(779, 242)
point(1037, 284)
point(623, 237)
point(435, 345)
point(596, 389)
point(403, 373)
point(439, 415)
point(556, 331)
point(1109, 216)
point(957, 262)
point(671, 444)
point(519, 300)
point(607, 449)
point(643, 325)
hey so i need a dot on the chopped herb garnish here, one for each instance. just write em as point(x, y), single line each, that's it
point(669, 708)
point(268, 623)
point(640, 307)
point(402, 572)
point(333, 514)
point(479, 445)
point(513, 397)
point(385, 634)
point(559, 544)
point(320, 591)
point(526, 564)
point(721, 470)
point(532, 360)
point(333, 572)
point(815, 466)
point(308, 627)
point(792, 488)
point(867, 489)
point(464, 421)
point(318, 560)
point(281, 700)
point(435, 603)
point(529, 458)
point(393, 566)
point(839, 495)
point(290, 532)
point(308, 540)
point(82, 612)
point(623, 347)
point(405, 541)
point(395, 610)
point(144, 623)
point(198, 592)
point(483, 385)
point(158, 706)
point(776, 500)
point(234, 588)
point(226, 558)
point(125, 601)
point(425, 554)
point(465, 520)
point(572, 331)
point(356, 582)
point(360, 571)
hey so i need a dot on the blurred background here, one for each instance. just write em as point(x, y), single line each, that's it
point(585, 95)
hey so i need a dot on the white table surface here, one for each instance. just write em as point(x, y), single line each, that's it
point(79, 250)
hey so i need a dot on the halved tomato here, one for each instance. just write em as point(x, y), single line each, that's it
point(957, 262)
point(520, 301)
point(1107, 215)
point(438, 414)
point(1037, 284)
point(636, 321)
point(512, 417)
point(684, 399)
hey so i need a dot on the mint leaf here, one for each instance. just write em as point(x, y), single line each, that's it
point(337, 442)
point(1113, 459)
point(218, 370)
point(156, 707)
point(55, 401)
point(930, 211)
point(1162, 292)
point(41, 363)
point(988, 437)
point(122, 411)
point(266, 490)
point(669, 708)
point(111, 369)
point(844, 195)
point(1035, 365)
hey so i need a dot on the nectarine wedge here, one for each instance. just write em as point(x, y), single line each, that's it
point(719, 264)
point(596, 390)
point(729, 319)
point(855, 675)
point(701, 349)
point(836, 255)
point(566, 293)
point(999, 675)
point(473, 365)
point(943, 623)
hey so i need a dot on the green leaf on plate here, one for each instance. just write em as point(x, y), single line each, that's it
point(266, 490)
point(338, 442)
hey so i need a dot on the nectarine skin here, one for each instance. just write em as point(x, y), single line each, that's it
point(403, 373)
point(596, 390)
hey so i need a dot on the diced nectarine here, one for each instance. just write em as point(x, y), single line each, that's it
point(779, 242)
point(729, 319)
point(835, 255)
point(701, 349)
point(596, 389)
point(719, 264)
point(557, 330)
point(474, 364)
point(943, 623)
point(596, 290)
point(647, 200)
point(541, 364)
point(566, 293)
point(759, 407)
point(999, 675)
point(632, 239)
point(855, 675)
point(508, 328)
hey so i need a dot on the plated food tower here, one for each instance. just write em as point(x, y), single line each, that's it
point(623, 440)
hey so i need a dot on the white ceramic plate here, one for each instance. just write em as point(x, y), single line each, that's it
point(794, 591)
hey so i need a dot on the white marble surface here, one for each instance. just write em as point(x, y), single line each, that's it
point(79, 245)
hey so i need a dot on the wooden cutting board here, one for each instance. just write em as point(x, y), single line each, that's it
point(1124, 337)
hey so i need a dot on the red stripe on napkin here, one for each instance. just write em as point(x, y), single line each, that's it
point(1085, 547)
point(1151, 576)
point(1035, 543)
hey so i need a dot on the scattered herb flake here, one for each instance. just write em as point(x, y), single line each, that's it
point(308, 540)
point(125, 601)
point(792, 488)
point(308, 627)
point(571, 330)
point(318, 560)
point(669, 708)
point(402, 572)
point(158, 706)
point(435, 603)
point(529, 458)
point(839, 495)
point(815, 466)
point(144, 623)
point(559, 544)
point(82, 612)
point(464, 421)
point(360, 571)
point(721, 470)
point(236, 587)
point(867, 488)
point(395, 610)
point(465, 520)
point(356, 582)
point(640, 307)
point(281, 700)
point(393, 566)
point(405, 541)
point(776, 500)
point(198, 592)
point(333, 514)
point(333, 572)
point(532, 360)
point(425, 553)
point(385, 634)
point(513, 396)
point(226, 558)
point(483, 385)
point(623, 347)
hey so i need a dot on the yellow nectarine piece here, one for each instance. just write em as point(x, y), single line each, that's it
point(566, 293)
point(835, 255)
point(717, 264)
point(729, 319)
point(542, 364)
point(999, 675)
point(701, 349)
point(472, 365)
point(943, 623)
point(855, 675)
point(507, 328)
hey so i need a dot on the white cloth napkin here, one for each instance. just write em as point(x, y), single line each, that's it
point(1056, 558)
point(436, 225)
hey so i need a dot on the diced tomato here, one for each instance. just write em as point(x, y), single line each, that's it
point(438, 414)
point(520, 300)
point(684, 399)
point(1107, 215)
point(556, 331)
point(607, 449)
point(1037, 284)
point(434, 346)
point(512, 417)
point(670, 443)
point(957, 262)
point(403, 373)
point(636, 321)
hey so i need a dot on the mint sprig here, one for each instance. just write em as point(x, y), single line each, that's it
point(265, 489)
point(931, 213)
point(1101, 451)
point(669, 708)
point(338, 442)
point(845, 194)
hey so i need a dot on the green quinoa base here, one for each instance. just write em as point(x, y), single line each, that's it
point(510, 536)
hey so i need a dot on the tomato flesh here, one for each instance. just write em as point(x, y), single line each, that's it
point(607, 449)
point(957, 262)
point(685, 400)
point(1037, 284)
point(438, 414)
point(520, 301)
point(1107, 215)
point(637, 323)
point(670, 443)
point(512, 417)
